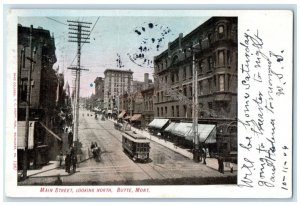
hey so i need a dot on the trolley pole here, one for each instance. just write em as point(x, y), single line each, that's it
point(80, 37)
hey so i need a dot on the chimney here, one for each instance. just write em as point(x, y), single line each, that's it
point(179, 40)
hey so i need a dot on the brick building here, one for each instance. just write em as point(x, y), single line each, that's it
point(47, 94)
point(215, 49)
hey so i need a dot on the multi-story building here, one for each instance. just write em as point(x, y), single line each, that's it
point(214, 45)
point(46, 94)
point(116, 82)
point(99, 92)
point(148, 111)
point(142, 85)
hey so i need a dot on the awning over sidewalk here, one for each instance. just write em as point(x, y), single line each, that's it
point(121, 115)
point(171, 127)
point(206, 132)
point(158, 123)
point(127, 117)
point(21, 135)
point(136, 117)
point(182, 129)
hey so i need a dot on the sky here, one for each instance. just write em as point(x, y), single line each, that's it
point(116, 42)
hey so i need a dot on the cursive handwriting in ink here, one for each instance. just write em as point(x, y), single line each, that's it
point(246, 169)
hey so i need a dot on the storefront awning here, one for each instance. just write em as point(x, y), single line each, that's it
point(182, 129)
point(21, 135)
point(207, 133)
point(136, 117)
point(171, 127)
point(121, 115)
point(127, 117)
point(158, 123)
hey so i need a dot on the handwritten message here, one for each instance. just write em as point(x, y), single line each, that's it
point(262, 80)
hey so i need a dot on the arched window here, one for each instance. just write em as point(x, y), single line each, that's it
point(221, 29)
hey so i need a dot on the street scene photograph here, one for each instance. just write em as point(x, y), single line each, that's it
point(127, 100)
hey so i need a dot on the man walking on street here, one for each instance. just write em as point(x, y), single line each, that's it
point(70, 138)
point(74, 162)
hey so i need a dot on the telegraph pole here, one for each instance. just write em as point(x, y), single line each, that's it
point(195, 108)
point(79, 37)
point(28, 96)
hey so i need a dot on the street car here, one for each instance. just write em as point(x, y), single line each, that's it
point(136, 146)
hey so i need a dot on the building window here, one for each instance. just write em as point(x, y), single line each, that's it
point(173, 112)
point(177, 77)
point(162, 111)
point(191, 90)
point(184, 91)
point(201, 66)
point(228, 57)
point(210, 63)
point(221, 32)
point(177, 110)
point(184, 73)
point(191, 70)
point(209, 86)
point(166, 79)
point(173, 78)
point(221, 29)
point(221, 58)
point(162, 96)
point(157, 96)
point(23, 90)
point(221, 83)
point(185, 111)
point(210, 105)
point(201, 87)
point(166, 111)
point(228, 82)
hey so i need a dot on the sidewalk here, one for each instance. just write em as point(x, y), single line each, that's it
point(210, 162)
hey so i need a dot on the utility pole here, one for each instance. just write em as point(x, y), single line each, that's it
point(28, 97)
point(195, 108)
point(79, 37)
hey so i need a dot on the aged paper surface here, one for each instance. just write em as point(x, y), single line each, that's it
point(135, 127)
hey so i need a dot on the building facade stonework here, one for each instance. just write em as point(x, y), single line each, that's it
point(214, 45)
point(116, 82)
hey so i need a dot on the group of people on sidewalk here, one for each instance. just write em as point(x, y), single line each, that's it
point(70, 160)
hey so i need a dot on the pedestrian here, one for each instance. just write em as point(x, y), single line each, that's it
point(70, 138)
point(222, 165)
point(60, 158)
point(74, 162)
point(68, 162)
point(219, 163)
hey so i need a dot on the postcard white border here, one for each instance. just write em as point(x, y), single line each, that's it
point(245, 21)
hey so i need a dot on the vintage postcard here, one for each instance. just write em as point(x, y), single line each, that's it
point(149, 103)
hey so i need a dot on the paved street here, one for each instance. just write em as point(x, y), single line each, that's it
point(115, 167)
